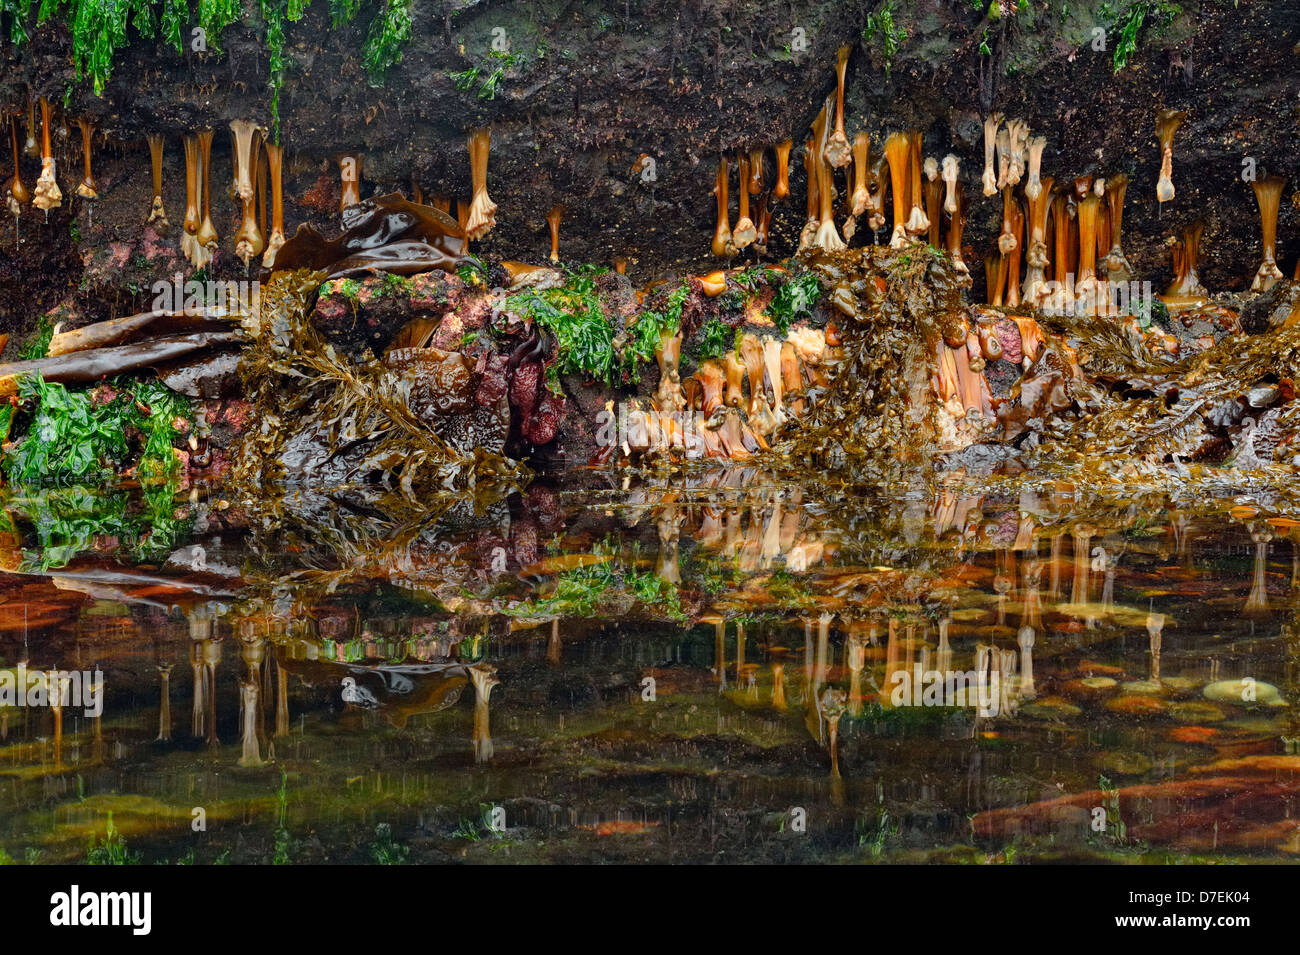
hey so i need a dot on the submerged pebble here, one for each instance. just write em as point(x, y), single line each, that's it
point(1244, 692)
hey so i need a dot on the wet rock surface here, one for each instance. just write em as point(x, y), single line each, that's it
point(599, 87)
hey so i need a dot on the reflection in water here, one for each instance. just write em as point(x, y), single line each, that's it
point(974, 679)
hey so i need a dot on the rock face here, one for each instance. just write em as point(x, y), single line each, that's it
point(578, 99)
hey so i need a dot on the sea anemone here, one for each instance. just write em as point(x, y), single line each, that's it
point(1185, 251)
point(190, 227)
point(1033, 185)
point(1117, 265)
point(917, 221)
point(1086, 290)
point(248, 240)
point(755, 180)
point(782, 187)
point(934, 189)
point(17, 191)
point(956, 225)
point(1014, 229)
point(207, 234)
point(812, 206)
point(1036, 255)
point(861, 174)
point(826, 238)
point(1018, 139)
point(349, 179)
point(951, 170)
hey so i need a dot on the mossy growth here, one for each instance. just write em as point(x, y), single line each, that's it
point(88, 435)
point(581, 591)
point(112, 849)
point(390, 286)
point(715, 338)
point(575, 315)
point(645, 332)
point(100, 30)
point(37, 344)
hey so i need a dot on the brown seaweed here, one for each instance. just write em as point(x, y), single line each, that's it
point(322, 417)
point(99, 363)
point(385, 234)
point(123, 331)
point(208, 376)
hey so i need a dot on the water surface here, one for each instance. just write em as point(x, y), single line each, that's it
point(688, 670)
